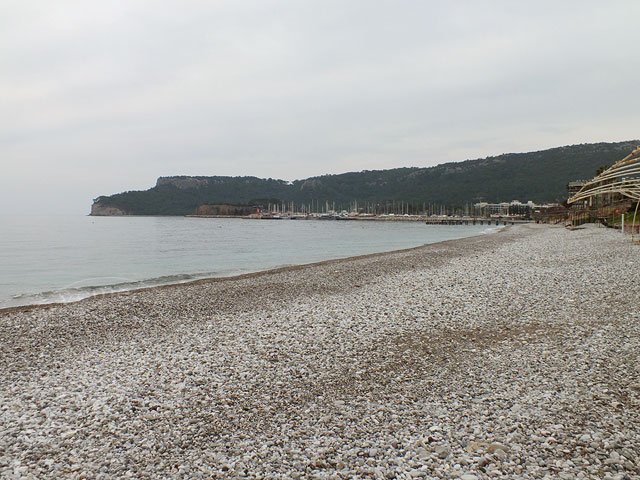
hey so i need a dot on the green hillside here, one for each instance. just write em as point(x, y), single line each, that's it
point(538, 176)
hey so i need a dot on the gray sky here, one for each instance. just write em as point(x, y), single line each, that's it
point(100, 97)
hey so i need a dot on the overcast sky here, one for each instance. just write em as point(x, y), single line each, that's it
point(98, 97)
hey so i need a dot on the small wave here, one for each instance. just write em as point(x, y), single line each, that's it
point(100, 286)
point(493, 229)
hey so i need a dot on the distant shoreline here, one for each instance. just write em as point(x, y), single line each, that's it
point(431, 220)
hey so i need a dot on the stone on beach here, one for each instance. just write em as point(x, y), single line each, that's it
point(513, 354)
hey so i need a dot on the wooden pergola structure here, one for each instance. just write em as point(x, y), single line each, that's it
point(623, 177)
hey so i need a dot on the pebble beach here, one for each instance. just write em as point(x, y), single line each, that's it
point(509, 355)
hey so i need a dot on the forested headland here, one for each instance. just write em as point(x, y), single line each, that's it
point(540, 176)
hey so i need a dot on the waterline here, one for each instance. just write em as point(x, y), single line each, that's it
point(63, 259)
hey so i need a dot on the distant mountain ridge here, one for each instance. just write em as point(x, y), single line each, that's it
point(539, 176)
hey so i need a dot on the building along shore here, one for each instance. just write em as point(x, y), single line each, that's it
point(511, 354)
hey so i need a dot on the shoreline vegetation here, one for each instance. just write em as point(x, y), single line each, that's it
point(510, 354)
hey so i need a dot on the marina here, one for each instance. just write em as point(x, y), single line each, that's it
point(427, 219)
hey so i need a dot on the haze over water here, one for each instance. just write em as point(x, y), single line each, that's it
point(66, 258)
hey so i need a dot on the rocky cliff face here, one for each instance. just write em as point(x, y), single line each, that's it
point(98, 210)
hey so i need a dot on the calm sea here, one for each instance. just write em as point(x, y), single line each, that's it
point(61, 259)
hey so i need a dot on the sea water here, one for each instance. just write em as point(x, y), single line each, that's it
point(67, 258)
